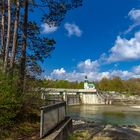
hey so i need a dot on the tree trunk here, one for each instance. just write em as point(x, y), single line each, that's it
point(14, 47)
point(23, 51)
point(3, 30)
point(8, 37)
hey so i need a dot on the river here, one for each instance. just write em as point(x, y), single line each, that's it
point(106, 114)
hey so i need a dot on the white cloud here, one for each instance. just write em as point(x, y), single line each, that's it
point(134, 15)
point(92, 75)
point(59, 71)
point(73, 29)
point(125, 49)
point(123, 74)
point(136, 69)
point(88, 65)
point(46, 29)
point(58, 74)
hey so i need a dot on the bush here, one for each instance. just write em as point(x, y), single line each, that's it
point(9, 102)
point(14, 108)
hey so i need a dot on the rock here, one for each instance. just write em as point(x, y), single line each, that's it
point(108, 126)
point(78, 122)
point(132, 126)
point(124, 125)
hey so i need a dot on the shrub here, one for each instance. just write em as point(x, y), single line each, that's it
point(14, 108)
point(9, 104)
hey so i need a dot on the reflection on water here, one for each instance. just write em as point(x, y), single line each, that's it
point(122, 115)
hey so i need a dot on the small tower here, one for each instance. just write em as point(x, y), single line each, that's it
point(86, 83)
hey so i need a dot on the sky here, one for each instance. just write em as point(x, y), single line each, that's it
point(99, 39)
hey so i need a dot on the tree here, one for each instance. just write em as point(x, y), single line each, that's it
point(3, 29)
point(8, 38)
point(104, 84)
point(15, 35)
point(24, 46)
point(117, 84)
point(57, 11)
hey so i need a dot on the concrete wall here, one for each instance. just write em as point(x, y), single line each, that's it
point(75, 98)
point(90, 98)
point(63, 131)
point(51, 116)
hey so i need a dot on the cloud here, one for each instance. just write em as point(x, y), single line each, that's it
point(59, 71)
point(123, 74)
point(92, 70)
point(58, 74)
point(92, 75)
point(125, 49)
point(134, 15)
point(73, 29)
point(136, 69)
point(88, 65)
point(46, 29)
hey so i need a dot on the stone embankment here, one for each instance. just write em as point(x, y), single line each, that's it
point(87, 130)
point(122, 99)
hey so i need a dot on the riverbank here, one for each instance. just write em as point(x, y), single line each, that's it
point(90, 130)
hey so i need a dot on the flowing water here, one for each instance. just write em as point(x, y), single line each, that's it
point(121, 115)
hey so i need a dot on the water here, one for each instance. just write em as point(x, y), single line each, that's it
point(121, 115)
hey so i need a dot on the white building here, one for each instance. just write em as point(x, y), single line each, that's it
point(88, 85)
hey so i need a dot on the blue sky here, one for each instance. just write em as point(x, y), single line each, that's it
point(99, 39)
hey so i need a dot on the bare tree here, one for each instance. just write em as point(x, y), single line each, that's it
point(24, 45)
point(3, 28)
point(8, 37)
point(14, 47)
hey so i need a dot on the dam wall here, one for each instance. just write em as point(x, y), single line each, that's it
point(91, 98)
point(75, 97)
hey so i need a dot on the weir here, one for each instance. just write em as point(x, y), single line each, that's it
point(76, 96)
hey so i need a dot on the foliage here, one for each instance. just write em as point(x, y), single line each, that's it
point(129, 87)
point(62, 84)
point(22, 50)
point(9, 104)
point(14, 108)
point(22, 43)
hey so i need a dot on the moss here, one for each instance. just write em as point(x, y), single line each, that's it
point(80, 135)
point(116, 114)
